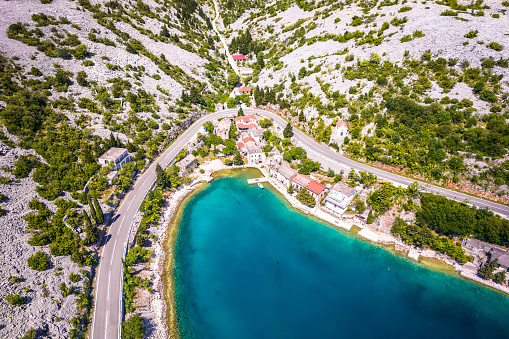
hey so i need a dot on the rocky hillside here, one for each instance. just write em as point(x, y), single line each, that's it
point(78, 77)
point(423, 85)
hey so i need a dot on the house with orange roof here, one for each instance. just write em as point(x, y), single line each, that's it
point(317, 190)
point(341, 129)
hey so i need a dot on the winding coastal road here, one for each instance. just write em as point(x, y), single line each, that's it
point(108, 298)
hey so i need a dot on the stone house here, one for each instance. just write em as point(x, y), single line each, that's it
point(116, 156)
point(187, 165)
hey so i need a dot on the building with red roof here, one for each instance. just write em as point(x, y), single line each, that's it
point(248, 139)
point(238, 57)
point(341, 129)
point(246, 122)
point(244, 90)
point(316, 189)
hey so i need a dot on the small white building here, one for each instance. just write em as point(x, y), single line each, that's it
point(245, 71)
point(339, 198)
point(254, 153)
point(116, 156)
point(341, 129)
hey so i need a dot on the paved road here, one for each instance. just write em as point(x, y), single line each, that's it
point(107, 312)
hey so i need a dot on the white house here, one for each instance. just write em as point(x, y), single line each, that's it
point(317, 190)
point(339, 198)
point(246, 122)
point(341, 129)
point(116, 156)
point(285, 174)
point(245, 71)
point(254, 153)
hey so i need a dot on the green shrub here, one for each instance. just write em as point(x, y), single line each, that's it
point(495, 46)
point(15, 279)
point(156, 76)
point(382, 81)
point(505, 3)
point(449, 12)
point(14, 299)
point(88, 63)
point(35, 72)
point(74, 277)
point(133, 327)
point(82, 79)
point(39, 261)
point(471, 34)
point(404, 9)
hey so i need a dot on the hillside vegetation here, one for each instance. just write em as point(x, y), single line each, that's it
point(423, 85)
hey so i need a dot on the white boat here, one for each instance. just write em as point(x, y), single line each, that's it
point(260, 185)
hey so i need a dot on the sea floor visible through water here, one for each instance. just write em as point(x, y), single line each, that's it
point(247, 265)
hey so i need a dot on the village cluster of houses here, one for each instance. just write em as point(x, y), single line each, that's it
point(336, 198)
point(250, 142)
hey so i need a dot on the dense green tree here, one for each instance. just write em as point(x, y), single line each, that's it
point(233, 79)
point(486, 270)
point(233, 132)
point(39, 261)
point(306, 198)
point(500, 277)
point(288, 131)
point(133, 327)
point(240, 112)
point(161, 177)
point(98, 212)
point(290, 189)
point(371, 218)
point(237, 159)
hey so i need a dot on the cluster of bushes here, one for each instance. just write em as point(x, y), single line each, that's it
point(49, 229)
point(20, 32)
point(450, 217)
point(424, 237)
point(135, 256)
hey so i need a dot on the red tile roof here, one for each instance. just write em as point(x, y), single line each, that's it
point(237, 57)
point(245, 89)
point(249, 126)
point(248, 139)
point(240, 145)
point(246, 118)
point(315, 187)
point(341, 123)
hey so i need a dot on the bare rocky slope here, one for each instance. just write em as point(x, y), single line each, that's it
point(105, 68)
point(328, 60)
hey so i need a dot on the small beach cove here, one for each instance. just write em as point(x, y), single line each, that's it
point(246, 264)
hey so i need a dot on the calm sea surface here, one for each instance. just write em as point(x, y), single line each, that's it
point(247, 266)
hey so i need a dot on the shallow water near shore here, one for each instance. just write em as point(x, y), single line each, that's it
point(248, 266)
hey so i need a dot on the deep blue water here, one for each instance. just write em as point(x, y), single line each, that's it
point(248, 266)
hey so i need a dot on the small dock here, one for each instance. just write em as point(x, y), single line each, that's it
point(256, 180)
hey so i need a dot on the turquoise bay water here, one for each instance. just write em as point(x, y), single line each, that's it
point(247, 266)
